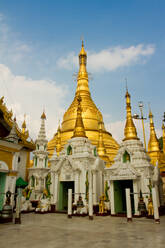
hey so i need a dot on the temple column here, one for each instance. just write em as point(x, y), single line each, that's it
point(82, 182)
point(112, 202)
point(56, 189)
point(52, 188)
point(77, 187)
point(94, 189)
point(90, 203)
point(69, 203)
point(128, 205)
point(157, 194)
point(155, 205)
point(136, 196)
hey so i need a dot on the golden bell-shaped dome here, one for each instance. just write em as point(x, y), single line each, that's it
point(91, 116)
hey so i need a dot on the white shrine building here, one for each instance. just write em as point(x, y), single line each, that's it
point(131, 169)
point(78, 167)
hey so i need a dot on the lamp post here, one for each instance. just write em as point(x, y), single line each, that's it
point(136, 116)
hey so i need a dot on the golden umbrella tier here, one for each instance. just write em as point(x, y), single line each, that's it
point(91, 117)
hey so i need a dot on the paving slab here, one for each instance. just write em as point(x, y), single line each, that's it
point(56, 230)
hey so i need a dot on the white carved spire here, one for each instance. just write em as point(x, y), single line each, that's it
point(41, 153)
point(42, 132)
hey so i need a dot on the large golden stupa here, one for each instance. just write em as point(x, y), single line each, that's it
point(92, 119)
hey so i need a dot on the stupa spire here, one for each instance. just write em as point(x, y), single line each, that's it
point(101, 147)
point(79, 130)
point(82, 77)
point(153, 144)
point(130, 129)
point(58, 142)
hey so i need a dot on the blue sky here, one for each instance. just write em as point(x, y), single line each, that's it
point(39, 44)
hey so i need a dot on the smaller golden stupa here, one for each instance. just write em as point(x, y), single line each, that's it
point(130, 129)
point(153, 144)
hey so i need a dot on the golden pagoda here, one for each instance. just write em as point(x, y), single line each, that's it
point(91, 116)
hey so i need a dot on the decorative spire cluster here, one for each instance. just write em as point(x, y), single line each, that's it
point(130, 129)
point(153, 144)
point(79, 130)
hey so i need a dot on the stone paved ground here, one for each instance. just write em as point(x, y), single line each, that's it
point(56, 230)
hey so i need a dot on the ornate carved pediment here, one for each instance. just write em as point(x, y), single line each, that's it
point(124, 171)
point(66, 165)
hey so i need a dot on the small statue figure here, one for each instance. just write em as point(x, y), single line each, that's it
point(150, 207)
point(102, 204)
point(80, 204)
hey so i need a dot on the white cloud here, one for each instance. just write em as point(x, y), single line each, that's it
point(117, 130)
point(27, 96)
point(109, 59)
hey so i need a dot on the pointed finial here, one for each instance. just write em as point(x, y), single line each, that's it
point(150, 112)
point(82, 52)
point(43, 116)
point(127, 95)
point(24, 122)
point(130, 129)
point(82, 40)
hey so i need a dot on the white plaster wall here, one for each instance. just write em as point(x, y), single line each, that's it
point(22, 164)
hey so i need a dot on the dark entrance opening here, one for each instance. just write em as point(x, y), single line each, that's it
point(63, 194)
point(120, 197)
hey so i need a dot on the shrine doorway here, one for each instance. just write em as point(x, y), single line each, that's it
point(63, 194)
point(120, 197)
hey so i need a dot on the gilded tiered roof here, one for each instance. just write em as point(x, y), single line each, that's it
point(91, 115)
point(6, 124)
